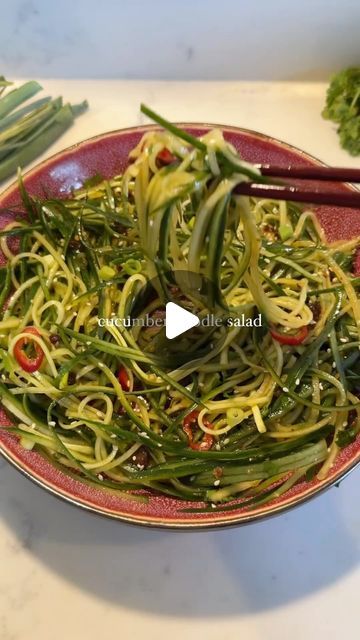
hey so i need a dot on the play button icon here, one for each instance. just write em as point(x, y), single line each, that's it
point(174, 317)
point(178, 320)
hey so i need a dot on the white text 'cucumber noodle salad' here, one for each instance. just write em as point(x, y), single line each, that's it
point(255, 409)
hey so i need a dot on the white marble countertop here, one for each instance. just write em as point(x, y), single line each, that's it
point(67, 575)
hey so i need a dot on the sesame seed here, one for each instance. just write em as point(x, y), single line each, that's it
point(344, 340)
point(285, 390)
point(88, 342)
point(100, 476)
point(321, 387)
point(113, 435)
point(344, 424)
point(334, 365)
point(213, 505)
point(216, 483)
point(227, 440)
point(297, 381)
point(52, 423)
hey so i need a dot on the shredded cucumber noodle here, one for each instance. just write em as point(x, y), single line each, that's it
point(258, 408)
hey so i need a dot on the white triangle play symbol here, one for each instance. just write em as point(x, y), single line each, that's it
point(178, 320)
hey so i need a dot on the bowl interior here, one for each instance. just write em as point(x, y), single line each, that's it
point(107, 155)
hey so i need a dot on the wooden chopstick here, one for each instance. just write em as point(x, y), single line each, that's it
point(298, 194)
point(334, 174)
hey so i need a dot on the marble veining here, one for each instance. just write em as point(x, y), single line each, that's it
point(178, 40)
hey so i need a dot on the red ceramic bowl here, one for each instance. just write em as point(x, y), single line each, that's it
point(107, 154)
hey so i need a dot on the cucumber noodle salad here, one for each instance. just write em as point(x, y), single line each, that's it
point(256, 411)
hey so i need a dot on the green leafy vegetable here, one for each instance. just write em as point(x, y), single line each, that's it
point(343, 107)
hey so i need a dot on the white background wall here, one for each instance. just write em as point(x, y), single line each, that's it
point(179, 39)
